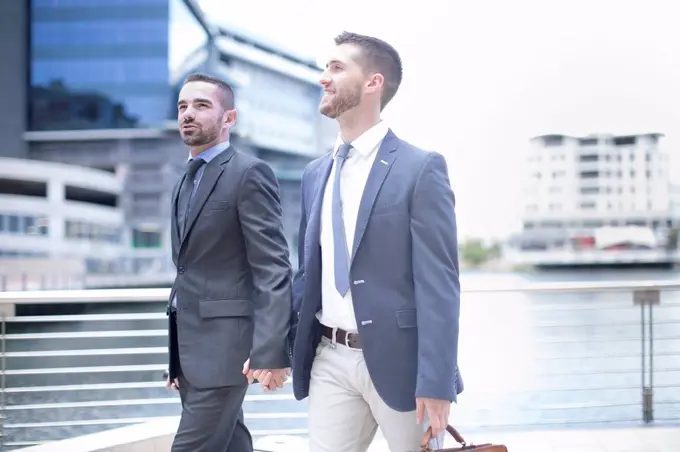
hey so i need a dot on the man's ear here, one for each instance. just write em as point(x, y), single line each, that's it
point(230, 118)
point(375, 82)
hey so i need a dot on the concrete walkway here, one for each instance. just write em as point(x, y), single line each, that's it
point(157, 436)
point(643, 439)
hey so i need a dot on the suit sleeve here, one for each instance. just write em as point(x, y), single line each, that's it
point(260, 215)
point(299, 279)
point(436, 280)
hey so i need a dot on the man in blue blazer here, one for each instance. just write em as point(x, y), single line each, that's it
point(377, 295)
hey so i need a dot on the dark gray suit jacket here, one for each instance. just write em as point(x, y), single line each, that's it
point(403, 276)
point(233, 282)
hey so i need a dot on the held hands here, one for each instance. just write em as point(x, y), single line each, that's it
point(172, 385)
point(271, 379)
point(437, 412)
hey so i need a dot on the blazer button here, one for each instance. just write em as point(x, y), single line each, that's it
point(180, 270)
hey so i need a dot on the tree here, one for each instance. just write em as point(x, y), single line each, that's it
point(475, 253)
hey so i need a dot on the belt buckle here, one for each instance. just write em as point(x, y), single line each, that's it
point(348, 335)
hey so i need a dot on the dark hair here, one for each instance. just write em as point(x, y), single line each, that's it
point(226, 91)
point(377, 56)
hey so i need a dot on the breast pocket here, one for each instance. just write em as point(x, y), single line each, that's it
point(216, 206)
point(219, 211)
point(390, 209)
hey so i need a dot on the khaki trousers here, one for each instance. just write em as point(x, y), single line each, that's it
point(345, 410)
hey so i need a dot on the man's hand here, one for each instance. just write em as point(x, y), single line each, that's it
point(437, 412)
point(270, 379)
point(172, 384)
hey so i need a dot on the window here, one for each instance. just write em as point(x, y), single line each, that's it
point(98, 67)
point(553, 140)
point(23, 224)
point(21, 254)
point(142, 238)
point(625, 141)
point(82, 230)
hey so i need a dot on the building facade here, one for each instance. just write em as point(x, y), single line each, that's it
point(597, 199)
point(59, 213)
point(597, 181)
point(98, 64)
point(100, 81)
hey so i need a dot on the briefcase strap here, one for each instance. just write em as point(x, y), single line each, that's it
point(452, 431)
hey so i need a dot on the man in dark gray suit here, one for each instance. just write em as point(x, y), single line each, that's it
point(377, 295)
point(229, 308)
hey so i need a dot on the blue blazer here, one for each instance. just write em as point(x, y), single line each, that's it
point(403, 275)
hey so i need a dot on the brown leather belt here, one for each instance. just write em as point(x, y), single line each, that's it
point(350, 340)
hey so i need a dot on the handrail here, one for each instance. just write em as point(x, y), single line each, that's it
point(94, 296)
point(62, 371)
point(90, 296)
point(3, 369)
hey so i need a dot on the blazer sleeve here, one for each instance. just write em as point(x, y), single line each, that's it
point(299, 278)
point(436, 280)
point(260, 216)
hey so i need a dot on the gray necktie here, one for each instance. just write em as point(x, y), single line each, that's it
point(340, 250)
point(184, 198)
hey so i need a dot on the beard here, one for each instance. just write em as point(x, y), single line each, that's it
point(200, 136)
point(342, 101)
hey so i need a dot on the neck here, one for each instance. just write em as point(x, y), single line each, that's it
point(195, 150)
point(354, 123)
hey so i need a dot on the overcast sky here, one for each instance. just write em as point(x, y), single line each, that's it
point(482, 77)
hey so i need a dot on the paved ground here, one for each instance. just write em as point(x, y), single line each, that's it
point(157, 436)
point(652, 439)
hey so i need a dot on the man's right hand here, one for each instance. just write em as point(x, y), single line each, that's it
point(173, 384)
point(271, 379)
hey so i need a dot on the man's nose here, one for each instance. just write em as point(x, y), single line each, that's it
point(325, 80)
point(188, 115)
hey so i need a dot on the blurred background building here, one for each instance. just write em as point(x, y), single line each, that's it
point(95, 84)
point(599, 199)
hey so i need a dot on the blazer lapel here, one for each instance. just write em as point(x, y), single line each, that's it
point(211, 175)
point(173, 220)
point(381, 166)
point(313, 237)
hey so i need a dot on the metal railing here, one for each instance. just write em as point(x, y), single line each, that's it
point(549, 354)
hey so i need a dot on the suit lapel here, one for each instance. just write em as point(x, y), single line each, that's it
point(173, 220)
point(211, 175)
point(381, 166)
point(314, 223)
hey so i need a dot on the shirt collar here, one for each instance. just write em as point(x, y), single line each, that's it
point(367, 141)
point(212, 152)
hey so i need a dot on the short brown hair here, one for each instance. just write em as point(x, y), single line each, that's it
point(377, 56)
point(226, 91)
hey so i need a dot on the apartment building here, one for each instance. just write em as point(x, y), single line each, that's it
point(595, 181)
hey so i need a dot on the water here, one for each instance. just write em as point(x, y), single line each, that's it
point(528, 360)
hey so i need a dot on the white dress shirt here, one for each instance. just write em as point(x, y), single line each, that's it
point(336, 310)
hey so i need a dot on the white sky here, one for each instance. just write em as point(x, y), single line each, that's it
point(482, 77)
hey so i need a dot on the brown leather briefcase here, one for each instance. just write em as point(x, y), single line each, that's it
point(459, 439)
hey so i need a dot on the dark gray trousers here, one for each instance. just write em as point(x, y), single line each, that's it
point(212, 420)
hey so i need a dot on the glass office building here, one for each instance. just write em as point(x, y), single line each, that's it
point(98, 64)
point(95, 83)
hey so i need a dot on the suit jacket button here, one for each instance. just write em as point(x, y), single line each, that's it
point(180, 270)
